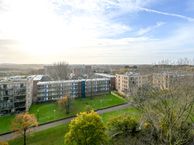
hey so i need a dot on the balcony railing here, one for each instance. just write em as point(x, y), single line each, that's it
point(19, 100)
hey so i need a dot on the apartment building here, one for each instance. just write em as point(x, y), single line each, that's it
point(111, 77)
point(95, 87)
point(17, 93)
point(167, 80)
point(12, 96)
point(53, 90)
point(161, 80)
point(127, 84)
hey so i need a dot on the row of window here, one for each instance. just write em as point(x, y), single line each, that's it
point(5, 105)
point(11, 86)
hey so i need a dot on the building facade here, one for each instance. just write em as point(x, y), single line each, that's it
point(12, 97)
point(17, 95)
point(127, 84)
point(111, 77)
point(53, 90)
point(167, 80)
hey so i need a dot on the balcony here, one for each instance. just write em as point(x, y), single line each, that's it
point(19, 100)
point(20, 107)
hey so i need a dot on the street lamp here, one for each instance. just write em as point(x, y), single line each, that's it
point(38, 114)
point(54, 113)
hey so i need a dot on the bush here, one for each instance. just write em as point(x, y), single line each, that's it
point(122, 125)
point(86, 129)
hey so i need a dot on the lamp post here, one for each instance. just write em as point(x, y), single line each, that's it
point(38, 114)
point(54, 113)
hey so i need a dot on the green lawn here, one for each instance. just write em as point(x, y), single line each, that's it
point(55, 136)
point(51, 136)
point(5, 123)
point(132, 111)
point(50, 111)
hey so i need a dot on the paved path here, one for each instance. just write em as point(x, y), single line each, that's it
point(11, 136)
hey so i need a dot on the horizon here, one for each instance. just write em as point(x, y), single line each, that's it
point(141, 64)
point(133, 32)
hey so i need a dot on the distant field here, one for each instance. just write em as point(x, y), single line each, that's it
point(50, 111)
point(55, 136)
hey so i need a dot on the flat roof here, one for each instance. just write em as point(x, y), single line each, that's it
point(105, 75)
point(70, 81)
point(38, 77)
point(179, 74)
point(131, 74)
point(12, 82)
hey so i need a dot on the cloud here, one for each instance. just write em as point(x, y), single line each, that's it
point(143, 31)
point(139, 50)
point(167, 14)
point(82, 31)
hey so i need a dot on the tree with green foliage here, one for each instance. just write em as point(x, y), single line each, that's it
point(123, 129)
point(88, 108)
point(23, 122)
point(86, 129)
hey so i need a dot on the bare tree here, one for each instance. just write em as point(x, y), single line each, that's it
point(58, 71)
point(167, 113)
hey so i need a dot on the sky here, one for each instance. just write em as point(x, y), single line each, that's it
point(96, 31)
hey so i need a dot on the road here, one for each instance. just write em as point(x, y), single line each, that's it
point(13, 135)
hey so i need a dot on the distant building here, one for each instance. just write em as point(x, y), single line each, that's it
point(127, 84)
point(53, 90)
point(111, 77)
point(167, 80)
point(81, 71)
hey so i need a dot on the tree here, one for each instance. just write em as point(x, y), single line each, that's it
point(143, 94)
point(64, 103)
point(58, 71)
point(167, 114)
point(23, 122)
point(123, 129)
point(86, 129)
point(3, 143)
point(88, 108)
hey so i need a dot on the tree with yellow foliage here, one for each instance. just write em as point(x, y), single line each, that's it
point(23, 122)
point(86, 129)
point(64, 103)
point(3, 143)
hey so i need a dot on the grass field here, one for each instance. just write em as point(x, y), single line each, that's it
point(51, 136)
point(132, 111)
point(50, 111)
point(5, 122)
point(55, 136)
